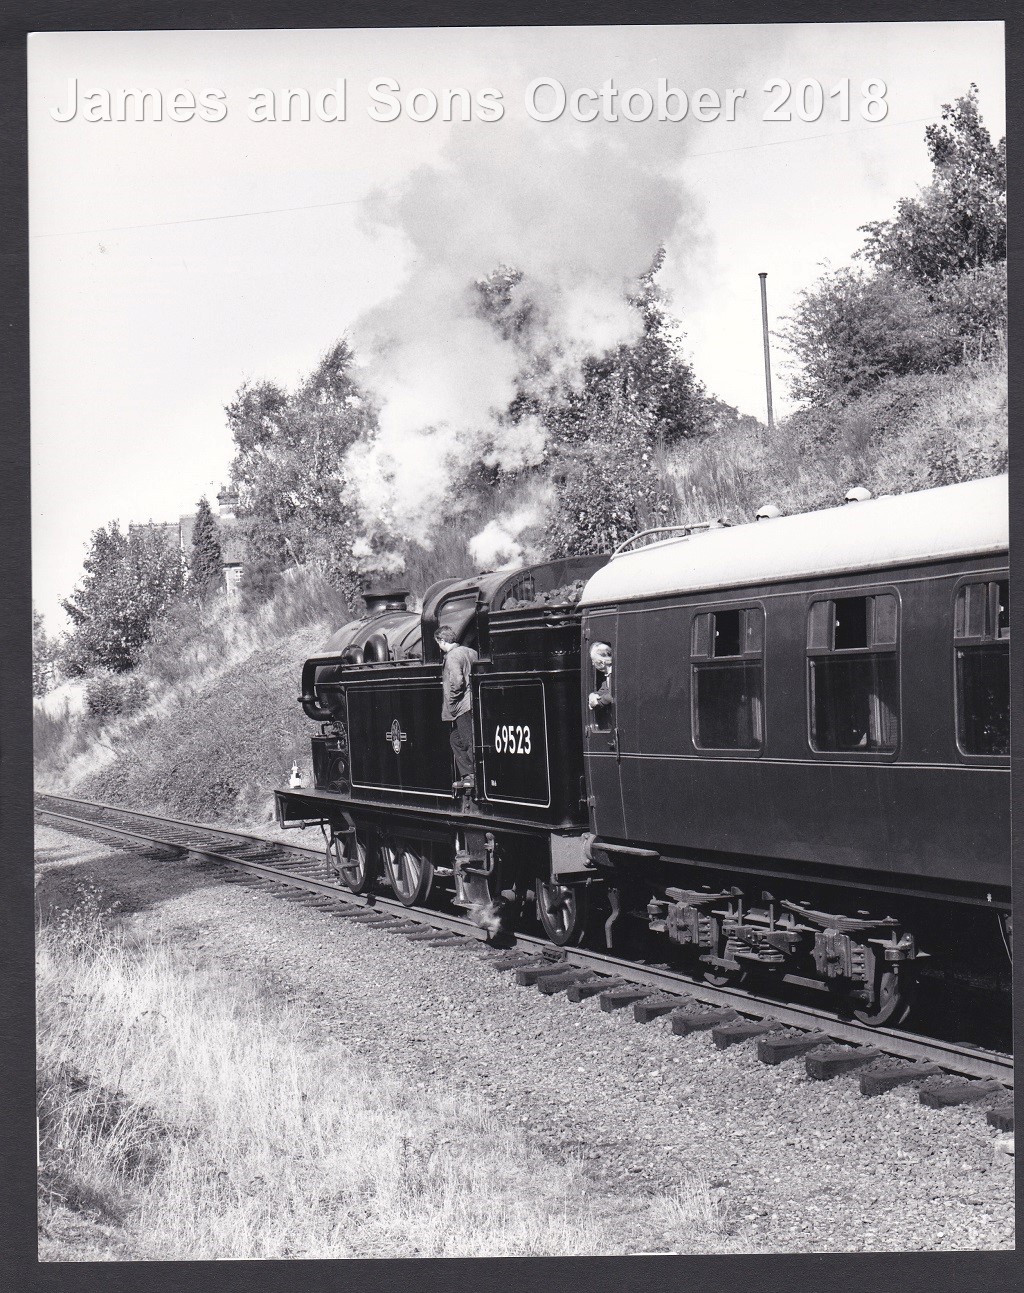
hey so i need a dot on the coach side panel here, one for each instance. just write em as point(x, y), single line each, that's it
point(918, 806)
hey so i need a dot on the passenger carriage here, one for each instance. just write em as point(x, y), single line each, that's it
point(803, 771)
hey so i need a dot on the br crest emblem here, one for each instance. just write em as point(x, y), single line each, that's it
point(396, 736)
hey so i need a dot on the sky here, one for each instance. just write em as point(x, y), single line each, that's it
point(173, 260)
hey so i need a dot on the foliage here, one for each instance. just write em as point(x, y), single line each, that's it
point(205, 563)
point(852, 329)
point(651, 374)
point(109, 695)
point(933, 291)
point(289, 469)
point(608, 484)
point(958, 222)
point(129, 581)
point(44, 656)
point(908, 433)
point(606, 429)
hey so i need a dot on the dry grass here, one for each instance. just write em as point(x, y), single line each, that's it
point(183, 1116)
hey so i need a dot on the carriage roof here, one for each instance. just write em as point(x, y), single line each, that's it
point(970, 519)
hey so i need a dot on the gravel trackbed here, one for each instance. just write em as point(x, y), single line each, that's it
point(796, 1165)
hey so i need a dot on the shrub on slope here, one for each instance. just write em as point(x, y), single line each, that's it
point(215, 751)
point(910, 433)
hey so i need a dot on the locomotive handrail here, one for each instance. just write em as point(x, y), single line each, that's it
point(717, 523)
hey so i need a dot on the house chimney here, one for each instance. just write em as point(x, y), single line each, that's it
point(227, 504)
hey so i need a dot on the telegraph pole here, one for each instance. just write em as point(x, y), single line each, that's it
point(767, 356)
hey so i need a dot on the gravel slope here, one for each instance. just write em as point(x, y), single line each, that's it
point(799, 1166)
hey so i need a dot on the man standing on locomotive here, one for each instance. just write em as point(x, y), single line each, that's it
point(457, 705)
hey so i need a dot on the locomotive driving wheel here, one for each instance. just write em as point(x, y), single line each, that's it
point(409, 873)
point(351, 862)
point(562, 909)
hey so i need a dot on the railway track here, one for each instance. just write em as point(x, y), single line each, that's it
point(948, 1072)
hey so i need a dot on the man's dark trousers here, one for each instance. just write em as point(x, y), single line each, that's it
point(462, 744)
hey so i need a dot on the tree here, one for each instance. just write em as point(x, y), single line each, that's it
point(44, 651)
point(851, 330)
point(933, 290)
point(652, 373)
point(958, 222)
point(289, 467)
point(206, 561)
point(129, 581)
point(608, 485)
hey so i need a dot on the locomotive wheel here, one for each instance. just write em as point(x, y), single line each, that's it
point(895, 997)
point(353, 866)
point(409, 874)
point(563, 911)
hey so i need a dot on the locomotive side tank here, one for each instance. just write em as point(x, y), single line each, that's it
point(382, 762)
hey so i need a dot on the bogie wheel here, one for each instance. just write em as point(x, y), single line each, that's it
point(562, 910)
point(410, 874)
point(353, 864)
point(894, 998)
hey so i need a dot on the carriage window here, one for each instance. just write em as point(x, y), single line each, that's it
point(981, 632)
point(601, 698)
point(853, 674)
point(726, 652)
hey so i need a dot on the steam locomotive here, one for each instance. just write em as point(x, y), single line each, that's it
point(776, 750)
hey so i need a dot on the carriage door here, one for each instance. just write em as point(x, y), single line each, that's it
point(600, 723)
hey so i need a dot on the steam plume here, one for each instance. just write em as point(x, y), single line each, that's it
point(581, 221)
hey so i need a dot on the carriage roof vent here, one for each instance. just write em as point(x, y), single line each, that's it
point(767, 513)
point(857, 495)
point(385, 599)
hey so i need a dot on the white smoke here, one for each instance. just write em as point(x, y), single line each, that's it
point(498, 545)
point(581, 221)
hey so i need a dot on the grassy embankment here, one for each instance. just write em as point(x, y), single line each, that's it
point(223, 726)
point(185, 1115)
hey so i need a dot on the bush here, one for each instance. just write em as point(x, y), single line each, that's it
point(109, 696)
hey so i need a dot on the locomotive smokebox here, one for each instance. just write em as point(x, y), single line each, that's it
point(385, 599)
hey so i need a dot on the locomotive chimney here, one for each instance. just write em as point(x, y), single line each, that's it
point(385, 599)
